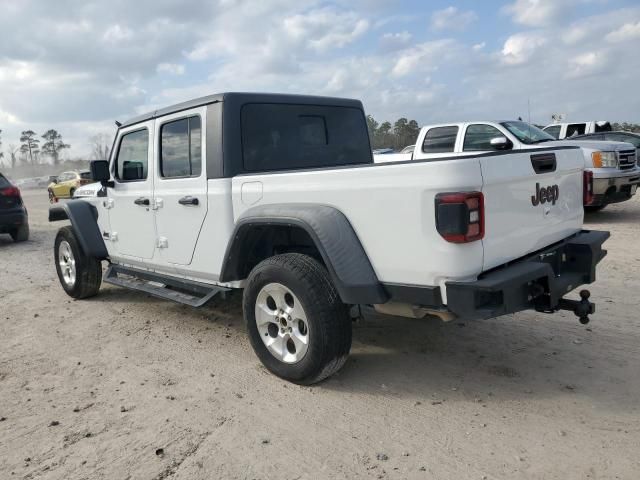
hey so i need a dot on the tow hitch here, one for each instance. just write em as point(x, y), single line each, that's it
point(582, 308)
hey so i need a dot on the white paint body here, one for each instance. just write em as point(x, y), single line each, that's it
point(391, 208)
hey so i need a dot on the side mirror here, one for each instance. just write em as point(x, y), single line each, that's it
point(100, 172)
point(501, 143)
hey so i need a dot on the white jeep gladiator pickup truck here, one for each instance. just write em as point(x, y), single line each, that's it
point(278, 195)
point(611, 172)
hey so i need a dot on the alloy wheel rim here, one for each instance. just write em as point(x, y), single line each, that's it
point(67, 263)
point(282, 323)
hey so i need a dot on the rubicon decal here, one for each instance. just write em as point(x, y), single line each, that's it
point(545, 194)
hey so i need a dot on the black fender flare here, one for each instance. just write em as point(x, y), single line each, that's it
point(83, 217)
point(334, 237)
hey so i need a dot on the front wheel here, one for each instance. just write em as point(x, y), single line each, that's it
point(79, 274)
point(297, 324)
point(52, 196)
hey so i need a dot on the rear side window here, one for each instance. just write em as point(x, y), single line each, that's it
point(554, 131)
point(289, 137)
point(576, 129)
point(478, 137)
point(440, 140)
point(4, 183)
point(133, 156)
point(181, 148)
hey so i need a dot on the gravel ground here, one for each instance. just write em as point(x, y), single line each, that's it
point(124, 386)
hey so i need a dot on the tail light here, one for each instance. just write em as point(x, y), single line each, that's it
point(460, 216)
point(10, 192)
point(587, 187)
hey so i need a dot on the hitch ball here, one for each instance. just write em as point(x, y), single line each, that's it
point(585, 307)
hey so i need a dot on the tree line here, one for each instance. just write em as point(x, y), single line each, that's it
point(32, 149)
point(403, 132)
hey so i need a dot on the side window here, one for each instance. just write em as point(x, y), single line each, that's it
point(181, 148)
point(440, 140)
point(575, 129)
point(478, 137)
point(133, 156)
point(291, 137)
point(554, 131)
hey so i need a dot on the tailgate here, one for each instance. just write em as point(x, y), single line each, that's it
point(532, 200)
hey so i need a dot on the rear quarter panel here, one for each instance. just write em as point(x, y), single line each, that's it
point(391, 208)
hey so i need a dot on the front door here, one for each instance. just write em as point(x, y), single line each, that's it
point(180, 195)
point(131, 216)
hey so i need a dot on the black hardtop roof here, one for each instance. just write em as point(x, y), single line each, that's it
point(244, 97)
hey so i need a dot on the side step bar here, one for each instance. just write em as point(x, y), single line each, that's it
point(187, 292)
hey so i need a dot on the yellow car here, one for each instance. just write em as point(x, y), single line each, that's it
point(65, 185)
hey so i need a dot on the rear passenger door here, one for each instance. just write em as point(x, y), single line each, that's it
point(438, 142)
point(180, 195)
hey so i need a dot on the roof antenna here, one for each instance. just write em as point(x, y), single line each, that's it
point(529, 115)
point(118, 124)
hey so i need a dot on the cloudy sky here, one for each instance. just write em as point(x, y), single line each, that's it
point(78, 65)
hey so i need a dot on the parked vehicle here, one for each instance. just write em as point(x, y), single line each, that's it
point(65, 184)
point(615, 136)
point(408, 149)
point(560, 131)
point(278, 195)
point(612, 173)
point(383, 151)
point(14, 218)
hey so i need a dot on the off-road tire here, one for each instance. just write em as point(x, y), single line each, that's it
point(88, 270)
point(327, 317)
point(21, 234)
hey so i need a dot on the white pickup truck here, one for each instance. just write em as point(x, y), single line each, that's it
point(562, 130)
point(278, 195)
point(612, 174)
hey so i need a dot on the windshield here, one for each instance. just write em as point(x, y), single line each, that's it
point(527, 133)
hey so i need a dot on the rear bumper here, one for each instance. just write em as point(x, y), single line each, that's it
point(12, 218)
point(537, 281)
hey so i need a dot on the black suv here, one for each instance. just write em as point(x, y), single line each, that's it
point(14, 219)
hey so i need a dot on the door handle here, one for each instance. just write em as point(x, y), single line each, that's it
point(142, 201)
point(188, 200)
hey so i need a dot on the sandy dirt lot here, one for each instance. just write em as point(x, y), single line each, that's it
point(124, 386)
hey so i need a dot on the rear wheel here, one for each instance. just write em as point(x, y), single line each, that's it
point(52, 196)
point(297, 324)
point(79, 274)
point(21, 234)
point(72, 192)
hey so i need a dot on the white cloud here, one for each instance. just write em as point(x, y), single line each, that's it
point(479, 46)
point(170, 68)
point(519, 48)
point(451, 18)
point(117, 33)
point(395, 41)
point(538, 13)
point(425, 57)
point(325, 28)
point(629, 31)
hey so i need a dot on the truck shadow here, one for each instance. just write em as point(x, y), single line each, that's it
point(515, 357)
point(510, 358)
point(620, 214)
